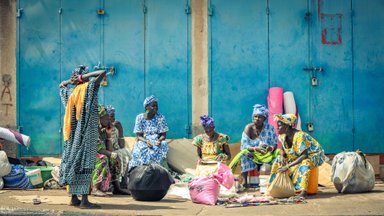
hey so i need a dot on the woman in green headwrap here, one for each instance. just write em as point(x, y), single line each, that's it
point(112, 156)
point(300, 153)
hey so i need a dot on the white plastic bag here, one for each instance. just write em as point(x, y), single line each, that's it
point(352, 173)
point(5, 166)
point(1, 183)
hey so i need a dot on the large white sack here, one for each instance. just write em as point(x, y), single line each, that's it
point(5, 166)
point(352, 173)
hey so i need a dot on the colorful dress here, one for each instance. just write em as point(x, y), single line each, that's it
point(267, 136)
point(105, 168)
point(78, 161)
point(210, 150)
point(142, 154)
point(300, 172)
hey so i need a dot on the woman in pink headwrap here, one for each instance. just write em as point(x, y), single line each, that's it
point(212, 147)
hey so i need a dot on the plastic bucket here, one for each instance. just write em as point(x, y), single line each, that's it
point(35, 177)
point(263, 183)
point(253, 178)
point(313, 181)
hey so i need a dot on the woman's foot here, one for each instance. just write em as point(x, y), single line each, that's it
point(75, 201)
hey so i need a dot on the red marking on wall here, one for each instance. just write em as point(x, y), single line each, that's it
point(331, 30)
point(319, 7)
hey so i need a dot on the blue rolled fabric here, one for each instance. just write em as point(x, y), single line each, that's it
point(17, 178)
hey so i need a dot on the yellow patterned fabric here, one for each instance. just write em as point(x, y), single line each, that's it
point(210, 149)
point(300, 172)
point(76, 100)
point(289, 119)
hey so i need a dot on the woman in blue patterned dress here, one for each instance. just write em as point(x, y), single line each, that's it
point(258, 136)
point(80, 133)
point(151, 130)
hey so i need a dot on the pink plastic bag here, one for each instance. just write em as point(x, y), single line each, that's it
point(224, 176)
point(204, 190)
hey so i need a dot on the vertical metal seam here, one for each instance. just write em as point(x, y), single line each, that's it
point(145, 48)
point(268, 46)
point(60, 72)
point(353, 80)
point(210, 60)
point(309, 60)
point(101, 52)
point(17, 76)
point(188, 86)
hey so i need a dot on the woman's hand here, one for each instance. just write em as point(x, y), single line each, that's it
point(259, 149)
point(63, 84)
point(221, 157)
point(148, 144)
point(283, 168)
point(158, 142)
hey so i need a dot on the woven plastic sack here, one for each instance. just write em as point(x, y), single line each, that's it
point(204, 190)
point(5, 166)
point(17, 178)
point(352, 173)
point(281, 186)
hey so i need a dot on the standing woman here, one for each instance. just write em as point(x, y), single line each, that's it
point(80, 132)
point(151, 130)
point(300, 153)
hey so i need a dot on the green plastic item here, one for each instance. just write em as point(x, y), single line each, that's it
point(45, 171)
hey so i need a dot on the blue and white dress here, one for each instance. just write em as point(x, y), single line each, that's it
point(142, 154)
point(267, 136)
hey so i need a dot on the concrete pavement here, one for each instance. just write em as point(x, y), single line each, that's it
point(326, 202)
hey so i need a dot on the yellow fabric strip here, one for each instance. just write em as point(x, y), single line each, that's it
point(75, 100)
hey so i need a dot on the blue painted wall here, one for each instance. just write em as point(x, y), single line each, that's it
point(147, 41)
point(343, 37)
point(253, 45)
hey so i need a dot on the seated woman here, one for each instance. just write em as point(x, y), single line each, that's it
point(151, 130)
point(112, 156)
point(212, 147)
point(300, 153)
point(258, 139)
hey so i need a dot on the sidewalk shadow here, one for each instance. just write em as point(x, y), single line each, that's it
point(334, 193)
point(145, 207)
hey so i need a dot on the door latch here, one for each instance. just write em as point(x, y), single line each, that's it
point(310, 127)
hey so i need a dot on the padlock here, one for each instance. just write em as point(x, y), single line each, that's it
point(310, 127)
point(314, 81)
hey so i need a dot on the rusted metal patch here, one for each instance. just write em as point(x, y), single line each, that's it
point(331, 28)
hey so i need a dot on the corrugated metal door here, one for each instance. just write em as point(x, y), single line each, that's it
point(38, 73)
point(238, 62)
point(331, 49)
point(167, 62)
point(123, 48)
point(289, 51)
point(368, 33)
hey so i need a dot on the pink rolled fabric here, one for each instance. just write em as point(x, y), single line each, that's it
point(275, 105)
